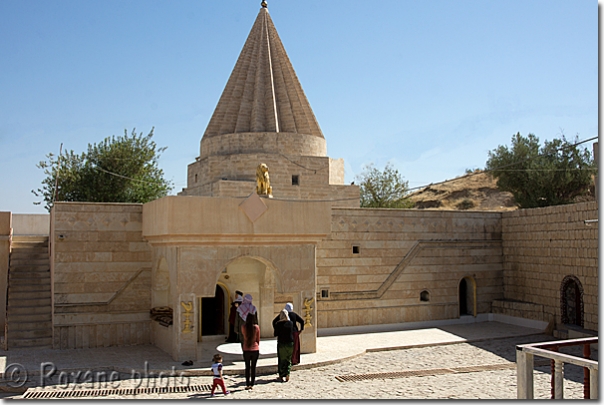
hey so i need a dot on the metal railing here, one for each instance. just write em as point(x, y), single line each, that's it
point(525, 366)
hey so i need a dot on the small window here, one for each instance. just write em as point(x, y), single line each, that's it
point(295, 180)
point(324, 293)
point(356, 249)
point(195, 177)
point(424, 296)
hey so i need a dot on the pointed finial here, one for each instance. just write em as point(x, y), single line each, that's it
point(264, 4)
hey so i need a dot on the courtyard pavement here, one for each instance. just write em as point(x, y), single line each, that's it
point(148, 360)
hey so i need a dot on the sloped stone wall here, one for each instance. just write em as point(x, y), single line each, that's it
point(541, 247)
point(376, 264)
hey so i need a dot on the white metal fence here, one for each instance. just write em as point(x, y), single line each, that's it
point(525, 355)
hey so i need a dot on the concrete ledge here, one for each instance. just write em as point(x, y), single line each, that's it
point(514, 320)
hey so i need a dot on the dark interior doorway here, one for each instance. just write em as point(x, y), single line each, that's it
point(212, 314)
point(572, 305)
point(464, 308)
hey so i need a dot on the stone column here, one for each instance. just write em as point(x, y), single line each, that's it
point(5, 239)
point(266, 304)
point(524, 374)
point(185, 332)
point(307, 310)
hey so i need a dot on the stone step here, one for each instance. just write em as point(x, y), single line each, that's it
point(25, 310)
point(29, 249)
point(28, 295)
point(44, 342)
point(21, 326)
point(35, 275)
point(28, 334)
point(29, 288)
point(26, 268)
point(29, 260)
point(28, 302)
point(14, 281)
point(29, 318)
point(29, 240)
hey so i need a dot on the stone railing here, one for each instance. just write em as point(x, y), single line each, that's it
point(525, 364)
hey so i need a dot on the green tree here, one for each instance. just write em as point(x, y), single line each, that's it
point(383, 189)
point(538, 176)
point(118, 169)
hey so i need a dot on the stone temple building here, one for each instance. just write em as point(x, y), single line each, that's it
point(91, 274)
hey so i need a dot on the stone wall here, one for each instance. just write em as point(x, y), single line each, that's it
point(264, 142)
point(378, 264)
point(319, 178)
point(544, 245)
point(101, 272)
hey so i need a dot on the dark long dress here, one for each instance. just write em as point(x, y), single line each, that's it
point(296, 319)
point(284, 330)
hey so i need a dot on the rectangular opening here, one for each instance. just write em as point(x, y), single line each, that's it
point(324, 293)
point(355, 249)
point(295, 179)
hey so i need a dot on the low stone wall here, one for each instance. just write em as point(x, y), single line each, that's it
point(541, 247)
point(384, 266)
point(101, 273)
point(31, 224)
point(518, 309)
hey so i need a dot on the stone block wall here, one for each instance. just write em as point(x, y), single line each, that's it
point(221, 176)
point(376, 264)
point(541, 247)
point(287, 143)
point(101, 273)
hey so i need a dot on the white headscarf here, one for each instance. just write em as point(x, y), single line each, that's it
point(289, 307)
point(246, 307)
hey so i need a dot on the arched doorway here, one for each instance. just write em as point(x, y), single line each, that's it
point(213, 310)
point(571, 301)
point(467, 296)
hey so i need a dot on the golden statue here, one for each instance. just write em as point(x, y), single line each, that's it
point(308, 310)
point(263, 182)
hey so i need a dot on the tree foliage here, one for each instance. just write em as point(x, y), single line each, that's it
point(118, 169)
point(383, 189)
point(538, 176)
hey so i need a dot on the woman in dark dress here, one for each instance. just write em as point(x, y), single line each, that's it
point(233, 334)
point(284, 330)
point(296, 320)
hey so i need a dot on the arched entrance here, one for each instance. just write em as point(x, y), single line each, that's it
point(467, 296)
point(571, 301)
point(213, 310)
point(255, 276)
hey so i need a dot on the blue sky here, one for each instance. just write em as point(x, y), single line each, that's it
point(430, 86)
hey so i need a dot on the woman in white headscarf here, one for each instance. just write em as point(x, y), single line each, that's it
point(245, 309)
point(296, 320)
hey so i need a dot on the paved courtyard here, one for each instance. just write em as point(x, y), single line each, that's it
point(479, 369)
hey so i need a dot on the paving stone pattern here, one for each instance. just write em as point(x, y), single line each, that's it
point(321, 382)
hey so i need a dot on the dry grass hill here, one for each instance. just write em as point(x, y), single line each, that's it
point(476, 191)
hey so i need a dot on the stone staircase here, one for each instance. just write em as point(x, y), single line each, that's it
point(29, 312)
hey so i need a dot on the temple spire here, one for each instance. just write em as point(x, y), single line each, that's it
point(263, 93)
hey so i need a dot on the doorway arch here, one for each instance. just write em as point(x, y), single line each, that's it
point(257, 276)
point(467, 296)
point(571, 301)
point(213, 313)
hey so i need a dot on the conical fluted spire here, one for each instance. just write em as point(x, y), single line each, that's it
point(263, 93)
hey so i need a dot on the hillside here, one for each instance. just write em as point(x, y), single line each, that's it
point(476, 191)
